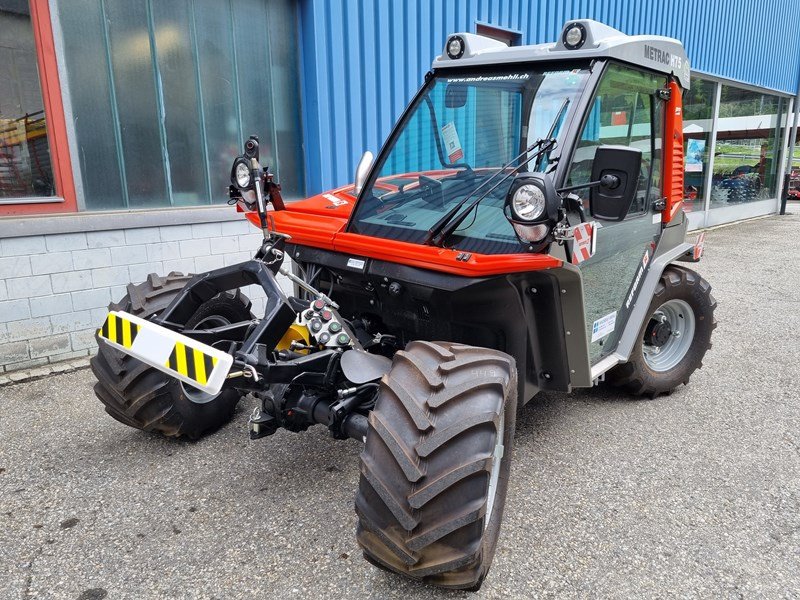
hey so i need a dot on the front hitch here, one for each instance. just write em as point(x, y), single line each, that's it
point(278, 314)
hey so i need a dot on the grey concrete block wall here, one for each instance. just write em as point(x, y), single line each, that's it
point(55, 288)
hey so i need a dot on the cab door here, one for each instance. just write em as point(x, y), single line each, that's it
point(626, 111)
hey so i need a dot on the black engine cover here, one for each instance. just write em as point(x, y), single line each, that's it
point(500, 312)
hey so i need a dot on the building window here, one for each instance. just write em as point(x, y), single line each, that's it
point(698, 114)
point(163, 95)
point(748, 147)
point(25, 167)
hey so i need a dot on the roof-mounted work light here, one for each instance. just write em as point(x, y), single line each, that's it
point(455, 47)
point(574, 36)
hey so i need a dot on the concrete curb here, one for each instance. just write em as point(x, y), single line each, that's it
point(57, 368)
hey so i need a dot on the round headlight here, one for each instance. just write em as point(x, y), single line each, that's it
point(574, 36)
point(242, 175)
point(455, 47)
point(528, 203)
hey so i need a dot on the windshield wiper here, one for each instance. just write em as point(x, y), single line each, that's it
point(445, 225)
point(551, 134)
point(437, 227)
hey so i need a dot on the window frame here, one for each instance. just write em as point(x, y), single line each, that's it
point(357, 222)
point(65, 200)
point(577, 128)
point(467, 71)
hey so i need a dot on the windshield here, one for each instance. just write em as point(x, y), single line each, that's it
point(460, 132)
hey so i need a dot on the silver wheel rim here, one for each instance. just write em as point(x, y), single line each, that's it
point(681, 319)
point(192, 393)
point(494, 476)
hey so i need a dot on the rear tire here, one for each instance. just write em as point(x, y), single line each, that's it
point(435, 466)
point(682, 290)
point(142, 397)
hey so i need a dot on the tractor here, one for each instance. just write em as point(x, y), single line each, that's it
point(521, 230)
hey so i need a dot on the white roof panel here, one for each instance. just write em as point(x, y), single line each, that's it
point(655, 52)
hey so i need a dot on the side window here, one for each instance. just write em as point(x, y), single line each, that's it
point(625, 113)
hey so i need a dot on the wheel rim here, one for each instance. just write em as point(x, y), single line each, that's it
point(679, 316)
point(192, 393)
point(494, 476)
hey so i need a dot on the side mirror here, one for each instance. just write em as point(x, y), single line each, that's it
point(616, 168)
point(362, 170)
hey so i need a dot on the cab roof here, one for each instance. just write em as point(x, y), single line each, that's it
point(597, 40)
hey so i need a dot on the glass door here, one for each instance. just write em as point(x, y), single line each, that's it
point(625, 112)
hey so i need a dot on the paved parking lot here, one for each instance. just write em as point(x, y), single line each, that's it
point(692, 495)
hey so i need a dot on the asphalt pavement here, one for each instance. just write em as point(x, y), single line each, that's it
point(696, 494)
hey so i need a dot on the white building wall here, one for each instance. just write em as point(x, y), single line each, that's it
point(55, 288)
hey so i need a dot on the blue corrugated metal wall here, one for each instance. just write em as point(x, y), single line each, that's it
point(363, 59)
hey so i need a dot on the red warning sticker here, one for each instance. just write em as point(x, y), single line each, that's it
point(584, 243)
point(699, 246)
point(451, 143)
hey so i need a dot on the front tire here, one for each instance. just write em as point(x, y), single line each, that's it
point(683, 302)
point(435, 466)
point(142, 397)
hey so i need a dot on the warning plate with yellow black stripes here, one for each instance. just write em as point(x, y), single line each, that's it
point(186, 359)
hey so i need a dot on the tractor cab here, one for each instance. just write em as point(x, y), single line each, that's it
point(508, 163)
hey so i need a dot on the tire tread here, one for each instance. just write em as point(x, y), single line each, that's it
point(407, 472)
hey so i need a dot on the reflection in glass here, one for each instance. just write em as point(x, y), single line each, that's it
point(624, 113)
point(137, 103)
point(163, 94)
point(698, 113)
point(456, 136)
point(25, 168)
point(289, 157)
point(748, 144)
point(182, 122)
